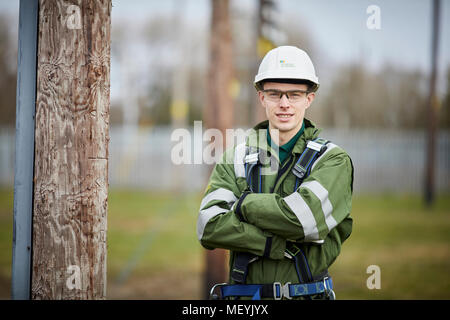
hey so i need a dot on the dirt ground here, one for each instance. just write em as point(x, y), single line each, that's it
point(5, 288)
point(170, 286)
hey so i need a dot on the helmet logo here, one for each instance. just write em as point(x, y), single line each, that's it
point(284, 64)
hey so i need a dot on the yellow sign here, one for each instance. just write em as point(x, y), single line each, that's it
point(264, 46)
point(179, 109)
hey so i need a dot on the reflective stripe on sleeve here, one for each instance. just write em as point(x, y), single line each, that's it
point(219, 194)
point(304, 215)
point(206, 214)
point(239, 154)
point(322, 194)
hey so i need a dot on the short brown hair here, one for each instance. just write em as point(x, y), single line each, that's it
point(311, 85)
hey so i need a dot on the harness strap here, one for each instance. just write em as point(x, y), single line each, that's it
point(293, 252)
point(253, 177)
point(252, 169)
point(240, 266)
point(313, 150)
point(277, 290)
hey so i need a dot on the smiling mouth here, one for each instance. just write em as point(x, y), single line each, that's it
point(284, 115)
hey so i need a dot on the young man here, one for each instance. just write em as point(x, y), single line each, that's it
point(284, 227)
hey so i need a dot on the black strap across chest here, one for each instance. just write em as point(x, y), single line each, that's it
point(302, 168)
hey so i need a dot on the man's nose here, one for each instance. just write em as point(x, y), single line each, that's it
point(284, 101)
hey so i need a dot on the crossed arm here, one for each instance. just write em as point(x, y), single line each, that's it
point(318, 212)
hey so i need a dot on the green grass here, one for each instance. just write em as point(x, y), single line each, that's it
point(409, 243)
point(6, 220)
point(157, 231)
point(162, 224)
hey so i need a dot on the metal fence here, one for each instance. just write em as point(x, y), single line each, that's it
point(384, 160)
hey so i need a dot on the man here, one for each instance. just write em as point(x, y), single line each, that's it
point(284, 227)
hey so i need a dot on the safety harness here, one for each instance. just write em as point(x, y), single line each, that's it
point(309, 285)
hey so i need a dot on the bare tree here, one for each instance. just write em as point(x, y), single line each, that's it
point(445, 107)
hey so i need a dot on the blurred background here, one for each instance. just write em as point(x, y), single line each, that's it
point(375, 67)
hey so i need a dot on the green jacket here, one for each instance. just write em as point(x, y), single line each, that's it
point(317, 215)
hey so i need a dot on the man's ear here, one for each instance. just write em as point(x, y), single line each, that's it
point(310, 98)
point(261, 98)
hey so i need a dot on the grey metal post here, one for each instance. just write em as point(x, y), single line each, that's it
point(24, 153)
point(432, 122)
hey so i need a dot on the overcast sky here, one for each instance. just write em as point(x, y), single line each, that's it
point(404, 38)
point(338, 28)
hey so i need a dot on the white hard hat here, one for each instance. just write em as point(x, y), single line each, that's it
point(287, 62)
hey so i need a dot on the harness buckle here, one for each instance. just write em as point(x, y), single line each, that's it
point(329, 293)
point(286, 293)
point(287, 255)
point(314, 145)
point(280, 288)
point(292, 251)
point(251, 158)
point(284, 290)
point(212, 295)
point(298, 171)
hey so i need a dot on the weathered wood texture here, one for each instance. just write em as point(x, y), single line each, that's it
point(219, 112)
point(71, 150)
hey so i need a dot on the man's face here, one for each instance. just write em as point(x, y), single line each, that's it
point(285, 115)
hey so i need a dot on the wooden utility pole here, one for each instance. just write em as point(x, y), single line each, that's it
point(71, 150)
point(269, 36)
point(218, 112)
point(219, 108)
point(432, 111)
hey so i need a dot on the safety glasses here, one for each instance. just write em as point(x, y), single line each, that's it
point(292, 95)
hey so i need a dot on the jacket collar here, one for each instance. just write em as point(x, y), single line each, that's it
point(258, 136)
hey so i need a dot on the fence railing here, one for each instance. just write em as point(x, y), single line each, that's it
point(384, 160)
